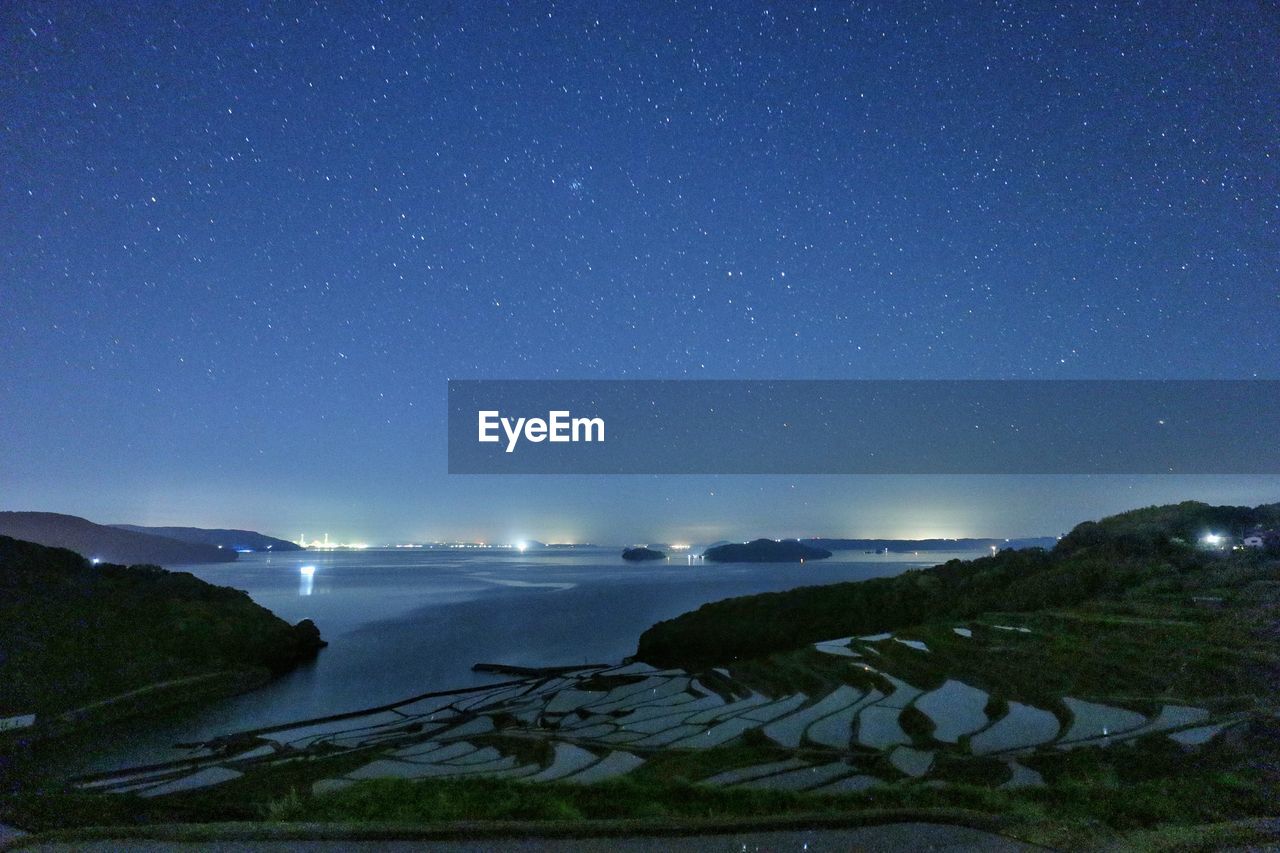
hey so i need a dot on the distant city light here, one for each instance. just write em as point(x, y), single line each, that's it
point(326, 545)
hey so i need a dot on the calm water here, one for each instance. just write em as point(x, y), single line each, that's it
point(403, 622)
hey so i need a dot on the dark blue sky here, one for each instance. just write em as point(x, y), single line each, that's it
point(243, 249)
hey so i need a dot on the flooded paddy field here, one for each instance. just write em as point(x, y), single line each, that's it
point(845, 714)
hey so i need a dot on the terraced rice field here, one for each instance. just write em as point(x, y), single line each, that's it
point(603, 722)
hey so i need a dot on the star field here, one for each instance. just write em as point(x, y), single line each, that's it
point(245, 247)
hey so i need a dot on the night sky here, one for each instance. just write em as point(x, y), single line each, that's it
point(243, 249)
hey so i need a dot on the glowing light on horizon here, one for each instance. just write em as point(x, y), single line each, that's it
point(326, 545)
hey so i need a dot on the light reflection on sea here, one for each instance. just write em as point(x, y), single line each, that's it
point(402, 622)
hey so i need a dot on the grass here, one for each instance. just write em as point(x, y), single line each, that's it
point(1093, 796)
point(1103, 793)
point(496, 799)
point(1096, 796)
point(1212, 660)
point(804, 671)
point(690, 765)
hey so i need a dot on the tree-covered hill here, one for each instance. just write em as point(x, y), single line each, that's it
point(73, 633)
point(1171, 525)
point(1148, 549)
point(765, 551)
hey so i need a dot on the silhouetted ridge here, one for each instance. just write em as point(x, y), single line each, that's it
point(106, 543)
point(236, 540)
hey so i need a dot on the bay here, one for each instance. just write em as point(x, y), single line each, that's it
point(401, 622)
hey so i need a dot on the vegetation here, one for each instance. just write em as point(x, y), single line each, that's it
point(641, 554)
point(1148, 792)
point(1177, 523)
point(1125, 611)
point(1145, 552)
point(74, 633)
point(765, 551)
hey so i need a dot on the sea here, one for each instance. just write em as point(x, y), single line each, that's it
point(406, 621)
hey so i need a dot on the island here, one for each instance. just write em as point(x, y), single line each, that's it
point(640, 554)
point(765, 551)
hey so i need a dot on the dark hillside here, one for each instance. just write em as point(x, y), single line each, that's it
point(72, 632)
point(1145, 550)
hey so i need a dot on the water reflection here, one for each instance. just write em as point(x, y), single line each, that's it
point(403, 622)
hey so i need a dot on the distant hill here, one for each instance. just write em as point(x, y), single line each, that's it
point(765, 551)
point(75, 633)
point(105, 543)
point(909, 545)
point(236, 540)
